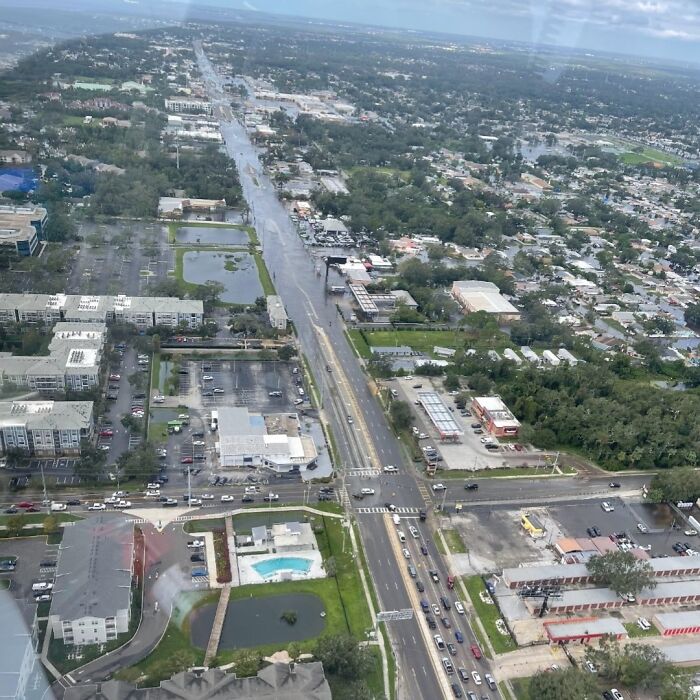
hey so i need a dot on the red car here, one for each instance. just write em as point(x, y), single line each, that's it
point(476, 652)
point(450, 582)
point(186, 460)
point(106, 433)
point(25, 504)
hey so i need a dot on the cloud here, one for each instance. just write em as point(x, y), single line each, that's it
point(663, 19)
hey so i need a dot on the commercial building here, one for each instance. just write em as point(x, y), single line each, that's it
point(187, 105)
point(91, 599)
point(288, 681)
point(334, 227)
point(21, 228)
point(273, 441)
point(73, 362)
point(15, 157)
point(474, 295)
point(45, 428)
point(276, 312)
point(176, 207)
point(532, 525)
point(584, 629)
point(143, 312)
point(677, 623)
point(575, 574)
point(495, 416)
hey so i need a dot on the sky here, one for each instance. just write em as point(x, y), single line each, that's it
point(667, 29)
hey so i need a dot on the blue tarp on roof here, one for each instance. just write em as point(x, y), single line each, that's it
point(18, 180)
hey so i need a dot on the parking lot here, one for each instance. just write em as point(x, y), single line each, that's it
point(575, 519)
point(30, 553)
point(120, 259)
point(470, 452)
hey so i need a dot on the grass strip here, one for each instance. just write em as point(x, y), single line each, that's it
point(488, 614)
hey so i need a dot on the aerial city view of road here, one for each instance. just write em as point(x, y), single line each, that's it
point(349, 357)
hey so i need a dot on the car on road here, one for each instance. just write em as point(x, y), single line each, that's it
point(446, 622)
point(367, 492)
point(298, 402)
point(459, 607)
point(169, 503)
point(350, 420)
point(464, 674)
point(614, 484)
point(424, 550)
point(11, 510)
point(207, 393)
point(97, 506)
point(186, 460)
point(42, 597)
point(445, 602)
point(459, 637)
point(153, 492)
point(490, 682)
point(439, 642)
point(390, 469)
point(195, 501)
point(271, 497)
point(114, 377)
point(207, 378)
point(414, 532)
point(420, 586)
point(197, 558)
point(439, 487)
point(447, 665)
point(73, 502)
point(607, 507)
point(642, 528)
point(227, 498)
point(218, 390)
point(452, 649)
point(436, 609)
point(690, 533)
point(247, 499)
point(471, 486)
point(107, 432)
point(434, 575)
point(406, 553)
point(124, 505)
point(476, 677)
point(195, 544)
point(431, 622)
point(457, 691)
point(476, 652)
point(207, 496)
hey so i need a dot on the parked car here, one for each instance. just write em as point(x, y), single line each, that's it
point(97, 506)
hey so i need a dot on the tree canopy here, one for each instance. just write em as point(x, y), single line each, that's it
point(622, 572)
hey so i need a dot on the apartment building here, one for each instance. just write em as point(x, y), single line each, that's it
point(73, 362)
point(45, 428)
point(187, 105)
point(143, 312)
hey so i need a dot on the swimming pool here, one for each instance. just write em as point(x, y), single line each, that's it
point(270, 567)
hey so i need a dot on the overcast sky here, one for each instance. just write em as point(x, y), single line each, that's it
point(663, 28)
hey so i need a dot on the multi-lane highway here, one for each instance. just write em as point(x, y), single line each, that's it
point(364, 444)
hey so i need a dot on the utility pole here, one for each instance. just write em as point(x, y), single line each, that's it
point(43, 481)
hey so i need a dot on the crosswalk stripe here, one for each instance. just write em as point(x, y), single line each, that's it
point(363, 472)
point(401, 510)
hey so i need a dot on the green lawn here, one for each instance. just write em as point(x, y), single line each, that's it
point(34, 518)
point(647, 155)
point(426, 340)
point(204, 525)
point(634, 630)
point(521, 688)
point(488, 615)
point(499, 472)
point(357, 342)
point(264, 275)
point(454, 541)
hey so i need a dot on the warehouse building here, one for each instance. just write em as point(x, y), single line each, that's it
point(91, 599)
point(273, 441)
point(584, 629)
point(143, 312)
point(440, 416)
point(73, 362)
point(495, 416)
point(45, 428)
point(677, 623)
point(572, 574)
point(474, 295)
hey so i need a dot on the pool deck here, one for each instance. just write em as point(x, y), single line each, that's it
point(248, 574)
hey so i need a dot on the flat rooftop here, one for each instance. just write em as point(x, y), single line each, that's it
point(584, 627)
point(439, 414)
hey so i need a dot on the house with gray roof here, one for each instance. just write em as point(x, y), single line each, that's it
point(91, 601)
point(274, 682)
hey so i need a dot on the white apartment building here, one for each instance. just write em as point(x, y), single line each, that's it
point(143, 312)
point(45, 428)
point(276, 312)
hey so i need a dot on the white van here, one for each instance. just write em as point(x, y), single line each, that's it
point(42, 586)
point(395, 517)
point(58, 506)
point(402, 537)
